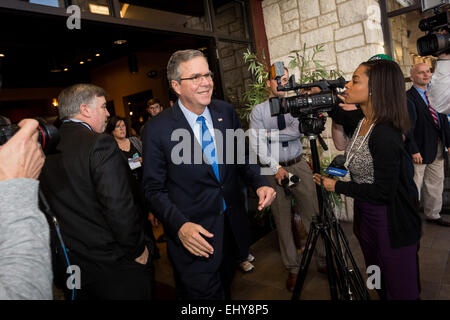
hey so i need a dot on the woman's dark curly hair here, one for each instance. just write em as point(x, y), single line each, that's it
point(112, 122)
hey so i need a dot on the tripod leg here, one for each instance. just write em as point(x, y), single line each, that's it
point(306, 260)
point(352, 285)
point(360, 284)
point(331, 271)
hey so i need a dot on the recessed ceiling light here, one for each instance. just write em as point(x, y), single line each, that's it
point(122, 41)
point(81, 62)
point(2, 55)
point(97, 54)
point(66, 69)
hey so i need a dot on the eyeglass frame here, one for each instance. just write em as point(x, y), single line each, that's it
point(154, 106)
point(208, 76)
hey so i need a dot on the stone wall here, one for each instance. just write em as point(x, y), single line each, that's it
point(349, 30)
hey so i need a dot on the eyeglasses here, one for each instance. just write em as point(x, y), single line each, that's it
point(197, 79)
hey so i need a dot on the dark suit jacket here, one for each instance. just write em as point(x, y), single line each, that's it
point(189, 192)
point(424, 135)
point(87, 186)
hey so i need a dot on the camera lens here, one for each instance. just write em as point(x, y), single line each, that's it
point(433, 43)
point(48, 136)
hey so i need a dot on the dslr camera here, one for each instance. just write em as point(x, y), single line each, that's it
point(435, 43)
point(48, 135)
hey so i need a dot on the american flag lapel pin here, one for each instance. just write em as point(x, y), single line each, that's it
point(220, 119)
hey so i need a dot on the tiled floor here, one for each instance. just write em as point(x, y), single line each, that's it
point(267, 281)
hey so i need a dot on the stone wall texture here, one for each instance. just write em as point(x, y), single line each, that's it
point(349, 30)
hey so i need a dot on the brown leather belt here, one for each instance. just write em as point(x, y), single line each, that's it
point(290, 162)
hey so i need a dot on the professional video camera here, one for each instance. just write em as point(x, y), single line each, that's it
point(344, 278)
point(307, 107)
point(435, 43)
point(48, 135)
point(300, 104)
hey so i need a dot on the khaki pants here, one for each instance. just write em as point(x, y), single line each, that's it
point(305, 196)
point(430, 178)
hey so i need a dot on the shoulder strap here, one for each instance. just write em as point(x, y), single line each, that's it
point(137, 144)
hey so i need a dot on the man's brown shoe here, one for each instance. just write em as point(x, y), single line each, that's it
point(291, 280)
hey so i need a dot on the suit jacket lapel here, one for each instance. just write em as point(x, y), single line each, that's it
point(218, 123)
point(419, 101)
point(180, 122)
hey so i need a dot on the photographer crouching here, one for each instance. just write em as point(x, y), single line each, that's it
point(25, 263)
point(290, 162)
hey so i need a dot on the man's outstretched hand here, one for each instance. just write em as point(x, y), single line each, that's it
point(266, 195)
point(191, 239)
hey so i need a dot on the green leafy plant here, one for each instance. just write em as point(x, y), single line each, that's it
point(309, 66)
point(334, 197)
point(257, 91)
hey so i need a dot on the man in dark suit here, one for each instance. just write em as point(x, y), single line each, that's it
point(192, 192)
point(88, 189)
point(427, 141)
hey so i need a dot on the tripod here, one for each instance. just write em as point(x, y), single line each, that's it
point(344, 278)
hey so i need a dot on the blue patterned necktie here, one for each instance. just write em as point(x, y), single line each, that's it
point(209, 150)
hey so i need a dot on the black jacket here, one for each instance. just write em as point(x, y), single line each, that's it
point(87, 186)
point(189, 192)
point(424, 135)
point(390, 186)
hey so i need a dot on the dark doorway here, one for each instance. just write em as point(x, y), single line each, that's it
point(137, 105)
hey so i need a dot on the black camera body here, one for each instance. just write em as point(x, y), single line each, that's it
point(307, 107)
point(435, 43)
point(302, 105)
point(48, 135)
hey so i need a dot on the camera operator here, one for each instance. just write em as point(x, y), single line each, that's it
point(25, 262)
point(438, 91)
point(290, 156)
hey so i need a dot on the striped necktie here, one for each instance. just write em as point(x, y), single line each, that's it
point(433, 112)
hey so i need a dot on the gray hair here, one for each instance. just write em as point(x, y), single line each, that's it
point(173, 66)
point(71, 98)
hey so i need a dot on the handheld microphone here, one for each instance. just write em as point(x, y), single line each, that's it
point(336, 167)
point(287, 182)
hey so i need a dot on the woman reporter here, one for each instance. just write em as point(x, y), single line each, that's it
point(387, 223)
